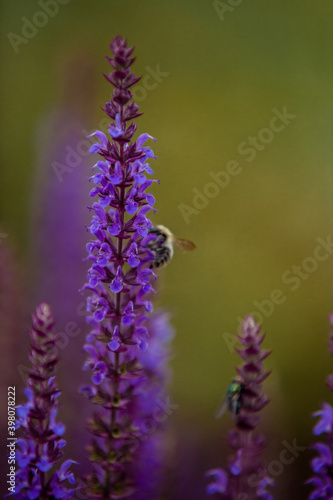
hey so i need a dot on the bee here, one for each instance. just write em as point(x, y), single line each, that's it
point(233, 399)
point(163, 245)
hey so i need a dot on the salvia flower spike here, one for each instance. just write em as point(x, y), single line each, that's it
point(119, 281)
point(41, 446)
point(244, 477)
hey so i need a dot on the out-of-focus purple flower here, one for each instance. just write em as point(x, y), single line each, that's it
point(59, 216)
point(122, 336)
point(322, 464)
point(153, 408)
point(245, 400)
point(325, 424)
point(324, 458)
point(220, 481)
point(39, 449)
point(262, 491)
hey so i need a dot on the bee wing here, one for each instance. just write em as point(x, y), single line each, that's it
point(222, 408)
point(184, 245)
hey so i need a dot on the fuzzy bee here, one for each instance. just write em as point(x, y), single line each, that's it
point(162, 245)
point(233, 399)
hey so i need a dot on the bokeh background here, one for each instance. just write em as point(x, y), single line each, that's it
point(220, 80)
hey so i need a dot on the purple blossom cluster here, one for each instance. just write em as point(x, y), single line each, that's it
point(322, 464)
point(244, 477)
point(120, 284)
point(42, 443)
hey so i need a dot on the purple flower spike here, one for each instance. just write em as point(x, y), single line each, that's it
point(322, 464)
point(118, 278)
point(245, 400)
point(39, 450)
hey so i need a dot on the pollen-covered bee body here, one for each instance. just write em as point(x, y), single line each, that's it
point(162, 245)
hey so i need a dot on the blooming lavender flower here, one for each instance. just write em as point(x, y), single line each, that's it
point(244, 477)
point(119, 281)
point(41, 446)
point(322, 464)
point(57, 233)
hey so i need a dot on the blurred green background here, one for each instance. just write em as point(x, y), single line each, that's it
point(221, 80)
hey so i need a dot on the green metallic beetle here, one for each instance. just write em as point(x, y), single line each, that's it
point(233, 399)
